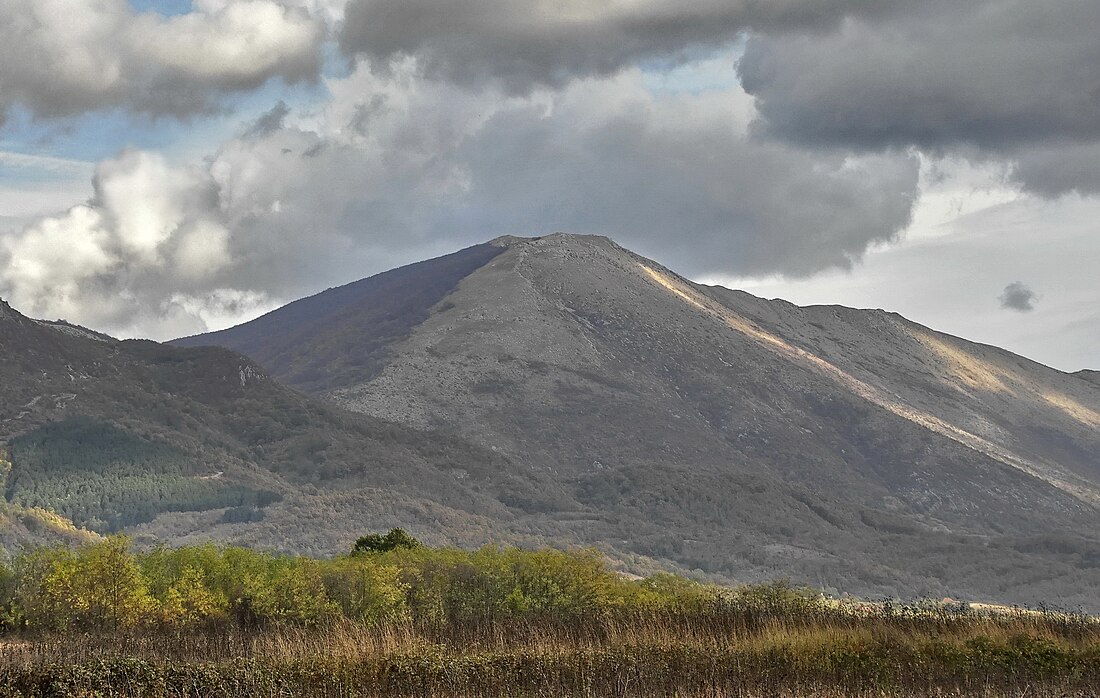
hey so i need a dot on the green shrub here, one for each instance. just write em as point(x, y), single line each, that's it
point(378, 543)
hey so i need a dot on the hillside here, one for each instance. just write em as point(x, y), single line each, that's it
point(745, 438)
point(176, 444)
point(1088, 375)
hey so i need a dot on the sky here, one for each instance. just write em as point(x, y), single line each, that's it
point(169, 167)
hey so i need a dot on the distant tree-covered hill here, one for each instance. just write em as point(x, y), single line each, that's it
point(201, 443)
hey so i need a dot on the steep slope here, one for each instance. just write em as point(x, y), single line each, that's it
point(340, 337)
point(744, 437)
point(182, 443)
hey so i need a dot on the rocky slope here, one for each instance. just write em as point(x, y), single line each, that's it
point(1089, 375)
point(714, 430)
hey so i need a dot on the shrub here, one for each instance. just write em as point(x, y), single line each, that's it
point(377, 543)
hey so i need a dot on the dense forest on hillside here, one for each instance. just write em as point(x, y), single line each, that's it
point(395, 618)
point(104, 479)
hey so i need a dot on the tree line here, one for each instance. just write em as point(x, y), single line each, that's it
point(385, 578)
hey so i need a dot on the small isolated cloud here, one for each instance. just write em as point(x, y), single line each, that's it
point(1018, 296)
point(269, 121)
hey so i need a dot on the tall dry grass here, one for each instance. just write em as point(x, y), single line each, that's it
point(721, 651)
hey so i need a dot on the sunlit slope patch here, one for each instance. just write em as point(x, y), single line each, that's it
point(973, 372)
point(22, 527)
point(969, 370)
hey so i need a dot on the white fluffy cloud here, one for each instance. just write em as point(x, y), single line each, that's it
point(49, 265)
point(63, 57)
point(150, 244)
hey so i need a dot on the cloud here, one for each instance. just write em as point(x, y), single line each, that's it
point(1057, 169)
point(1011, 78)
point(269, 121)
point(1001, 80)
point(425, 164)
point(150, 244)
point(1017, 296)
point(994, 73)
point(64, 57)
point(400, 167)
point(671, 178)
point(544, 43)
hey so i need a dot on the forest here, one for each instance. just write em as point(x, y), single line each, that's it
point(393, 617)
point(104, 479)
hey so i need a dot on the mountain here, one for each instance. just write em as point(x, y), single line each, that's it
point(713, 430)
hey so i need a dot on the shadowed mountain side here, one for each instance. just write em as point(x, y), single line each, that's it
point(751, 438)
point(339, 337)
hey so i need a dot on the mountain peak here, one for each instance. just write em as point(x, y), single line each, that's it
point(360, 320)
point(558, 239)
point(9, 314)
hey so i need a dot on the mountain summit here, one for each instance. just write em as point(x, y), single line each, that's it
point(714, 430)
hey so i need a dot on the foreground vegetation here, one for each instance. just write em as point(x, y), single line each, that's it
point(395, 618)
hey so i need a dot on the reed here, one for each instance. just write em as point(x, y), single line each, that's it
point(719, 651)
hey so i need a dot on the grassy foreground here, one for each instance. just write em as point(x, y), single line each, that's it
point(411, 621)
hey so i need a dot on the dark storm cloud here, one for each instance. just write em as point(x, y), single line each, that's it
point(1057, 169)
point(522, 44)
point(996, 73)
point(1017, 296)
point(1012, 77)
